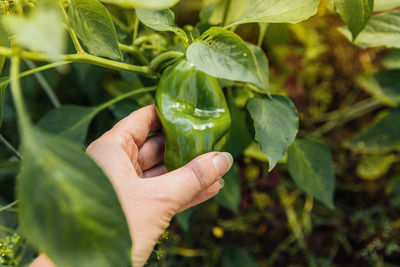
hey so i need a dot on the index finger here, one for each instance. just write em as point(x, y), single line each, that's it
point(139, 124)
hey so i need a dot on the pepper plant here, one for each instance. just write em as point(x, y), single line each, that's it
point(64, 201)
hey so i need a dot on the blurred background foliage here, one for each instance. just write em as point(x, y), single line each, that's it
point(259, 218)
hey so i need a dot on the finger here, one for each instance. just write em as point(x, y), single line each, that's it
point(139, 124)
point(114, 154)
point(205, 195)
point(151, 152)
point(156, 171)
point(185, 183)
point(42, 261)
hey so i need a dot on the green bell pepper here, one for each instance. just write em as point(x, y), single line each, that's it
point(193, 111)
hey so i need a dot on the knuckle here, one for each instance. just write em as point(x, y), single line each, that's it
point(197, 173)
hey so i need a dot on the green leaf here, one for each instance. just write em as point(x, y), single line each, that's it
point(223, 54)
point(380, 137)
point(183, 219)
point(67, 206)
point(150, 4)
point(278, 11)
point(93, 25)
point(382, 5)
point(311, 166)
point(375, 166)
point(392, 59)
point(393, 189)
point(384, 86)
point(381, 30)
point(160, 20)
point(214, 12)
point(262, 66)
point(73, 122)
point(239, 133)
point(276, 124)
point(69, 121)
point(393, 186)
point(229, 195)
point(355, 13)
point(43, 30)
point(233, 256)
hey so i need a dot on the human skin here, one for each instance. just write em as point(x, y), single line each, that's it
point(149, 195)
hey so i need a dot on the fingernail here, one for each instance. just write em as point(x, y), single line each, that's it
point(223, 162)
point(221, 183)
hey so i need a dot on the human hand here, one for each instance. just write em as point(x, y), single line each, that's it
point(150, 196)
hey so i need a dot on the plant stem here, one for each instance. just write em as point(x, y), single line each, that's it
point(135, 51)
point(124, 96)
point(38, 69)
point(120, 24)
point(24, 122)
point(19, 7)
point(46, 86)
point(294, 224)
point(164, 57)
point(85, 58)
point(135, 29)
point(10, 147)
point(6, 207)
point(74, 38)
point(226, 12)
point(338, 118)
point(263, 30)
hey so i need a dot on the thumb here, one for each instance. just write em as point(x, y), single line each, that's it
point(198, 175)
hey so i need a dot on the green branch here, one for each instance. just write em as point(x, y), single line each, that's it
point(72, 34)
point(24, 122)
point(45, 85)
point(85, 58)
point(9, 206)
point(294, 224)
point(165, 57)
point(10, 147)
point(134, 51)
point(124, 96)
point(38, 69)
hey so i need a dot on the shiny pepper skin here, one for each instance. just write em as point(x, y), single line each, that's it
point(193, 111)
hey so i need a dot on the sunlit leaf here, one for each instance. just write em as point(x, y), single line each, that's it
point(160, 20)
point(381, 5)
point(223, 54)
point(262, 65)
point(381, 30)
point(278, 11)
point(93, 25)
point(43, 30)
point(150, 4)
